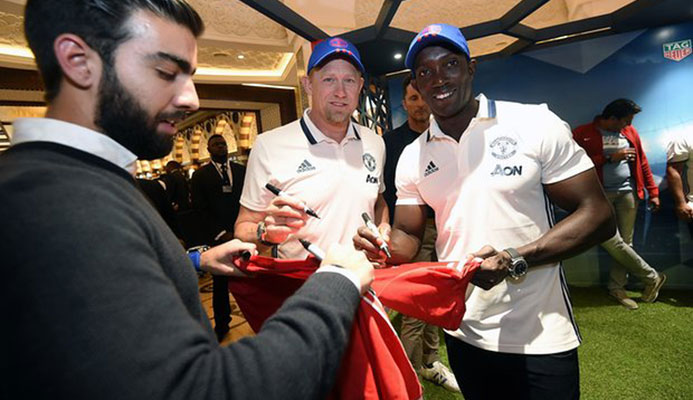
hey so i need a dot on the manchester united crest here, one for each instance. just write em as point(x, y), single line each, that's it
point(339, 43)
point(369, 162)
point(503, 147)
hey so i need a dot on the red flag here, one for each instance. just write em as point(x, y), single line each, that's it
point(375, 365)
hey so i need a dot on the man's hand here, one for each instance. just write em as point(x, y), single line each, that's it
point(352, 260)
point(283, 217)
point(654, 204)
point(684, 212)
point(493, 269)
point(623, 154)
point(367, 241)
point(219, 259)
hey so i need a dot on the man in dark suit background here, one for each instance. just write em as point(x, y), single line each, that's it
point(157, 196)
point(216, 191)
point(177, 186)
point(178, 197)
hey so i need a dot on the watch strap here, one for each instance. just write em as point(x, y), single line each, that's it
point(262, 234)
point(194, 255)
point(513, 253)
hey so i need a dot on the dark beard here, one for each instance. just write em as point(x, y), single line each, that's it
point(122, 118)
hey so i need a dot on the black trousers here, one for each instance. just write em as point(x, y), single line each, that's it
point(490, 375)
point(221, 304)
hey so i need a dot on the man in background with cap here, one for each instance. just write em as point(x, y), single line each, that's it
point(324, 161)
point(491, 171)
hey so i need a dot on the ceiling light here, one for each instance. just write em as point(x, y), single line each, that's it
point(559, 38)
point(262, 85)
point(400, 72)
point(241, 56)
point(207, 73)
point(23, 52)
point(398, 56)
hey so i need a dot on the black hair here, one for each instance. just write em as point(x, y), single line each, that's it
point(405, 84)
point(620, 108)
point(100, 23)
point(215, 136)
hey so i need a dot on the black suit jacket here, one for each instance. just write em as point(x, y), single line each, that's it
point(156, 195)
point(177, 190)
point(217, 210)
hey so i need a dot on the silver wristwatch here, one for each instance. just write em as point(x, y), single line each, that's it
point(518, 264)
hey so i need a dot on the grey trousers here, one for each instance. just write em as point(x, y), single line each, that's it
point(620, 246)
point(419, 339)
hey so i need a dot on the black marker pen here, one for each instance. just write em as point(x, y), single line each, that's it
point(278, 192)
point(371, 226)
point(312, 249)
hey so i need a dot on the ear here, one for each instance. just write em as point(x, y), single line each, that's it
point(307, 86)
point(472, 67)
point(361, 81)
point(81, 65)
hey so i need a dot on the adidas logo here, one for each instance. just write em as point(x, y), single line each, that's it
point(305, 167)
point(431, 168)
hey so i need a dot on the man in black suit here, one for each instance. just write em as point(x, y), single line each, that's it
point(156, 194)
point(177, 187)
point(178, 197)
point(216, 191)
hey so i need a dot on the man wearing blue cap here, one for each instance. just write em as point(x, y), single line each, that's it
point(324, 161)
point(491, 171)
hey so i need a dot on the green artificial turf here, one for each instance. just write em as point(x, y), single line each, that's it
point(625, 355)
point(641, 354)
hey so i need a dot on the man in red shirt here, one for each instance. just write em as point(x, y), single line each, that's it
point(614, 146)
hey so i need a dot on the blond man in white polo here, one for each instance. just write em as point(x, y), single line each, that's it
point(323, 161)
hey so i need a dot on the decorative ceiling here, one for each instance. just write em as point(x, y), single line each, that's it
point(383, 29)
point(260, 40)
point(231, 19)
point(410, 17)
point(337, 17)
point(239, 44)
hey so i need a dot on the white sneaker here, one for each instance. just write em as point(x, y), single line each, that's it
point(440, 375)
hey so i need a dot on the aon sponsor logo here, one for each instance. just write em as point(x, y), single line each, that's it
point(515, 170)
point(372, 179)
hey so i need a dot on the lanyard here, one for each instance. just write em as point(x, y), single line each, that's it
point(221, 172)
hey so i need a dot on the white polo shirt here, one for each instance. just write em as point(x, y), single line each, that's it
point(339, 181)
point(680, 149)
point(488, 189)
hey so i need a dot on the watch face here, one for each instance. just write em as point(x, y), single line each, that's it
point(520, 267)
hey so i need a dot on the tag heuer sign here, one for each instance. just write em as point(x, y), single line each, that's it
point(677, 51)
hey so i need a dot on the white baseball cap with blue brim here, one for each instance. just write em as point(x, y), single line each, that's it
point(434, 34)
point(335, 47)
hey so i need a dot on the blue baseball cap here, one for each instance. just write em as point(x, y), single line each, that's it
point(432, 34)
point(332, 46)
